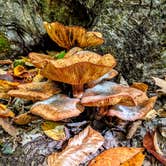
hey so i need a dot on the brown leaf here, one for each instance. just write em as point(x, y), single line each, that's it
point(149, 145)
point(120, 156)
point(5, 62)
point(25, 118)
point(161, 83)
point(35, 90)
point(132, 113)
point(82, 67)
point(5, 112)
point(79, 147)
point(69, 36)
point(8, 127)
point(57, 108)
point(110, 93)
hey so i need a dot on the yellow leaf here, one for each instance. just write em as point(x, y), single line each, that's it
point(19, 70)
point(5, 112)
point(54, 130)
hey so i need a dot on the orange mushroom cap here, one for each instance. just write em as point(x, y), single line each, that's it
point(57, 108)
point(69, 36)
point(110, 93)
point(35, 90)
point(132, 113)
point(80, 68)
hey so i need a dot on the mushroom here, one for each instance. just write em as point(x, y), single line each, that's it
point(78, 69)
point(109, 93)
point(132, 113)
point(106, 77)
point(57, 108)
point(69, 36)
point(35, 90)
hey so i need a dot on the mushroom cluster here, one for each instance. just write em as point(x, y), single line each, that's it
point(90, 76)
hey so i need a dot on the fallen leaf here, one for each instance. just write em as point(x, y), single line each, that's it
point(161, 83)
point(11, 130)
point(25, 118)
point(149, 145)
point(19, 70)
point(23, 62)
point(69, 36)
point(5, 62)
point(133, 128)
point(54, 130)
point(79, 147)
point(61, 55)
point(120, 156)
point(132, 113)
point(35, 90)
point(57, 108)
point(5, 112)
point(159, 143)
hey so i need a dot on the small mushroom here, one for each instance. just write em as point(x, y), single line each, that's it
point(57, 108)
point(110, 93)
point(78, 69)
point(132, 113)
point(69, 36)
point(35, 90)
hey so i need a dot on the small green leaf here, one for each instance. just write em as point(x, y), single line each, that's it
point(19, 62)
point(61, 55)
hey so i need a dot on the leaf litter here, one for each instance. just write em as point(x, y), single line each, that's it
point(75, 138)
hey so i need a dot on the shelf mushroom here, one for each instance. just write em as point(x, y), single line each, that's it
point(109, 93)
point(70, 36)
point(132, 113)
point(57, 108)
point(77, 70)
point(35, 90)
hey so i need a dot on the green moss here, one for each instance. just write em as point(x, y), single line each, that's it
point(4, 44)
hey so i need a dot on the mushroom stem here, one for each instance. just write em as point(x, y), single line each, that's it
point(101, 112)
point(78, 90)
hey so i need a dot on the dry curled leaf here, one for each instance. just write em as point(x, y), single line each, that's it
point(25, 118)
point(120, 156)
point(79, 147)
point(54, 130)
point(5, 62)
point(161, 83)
point(110, 93)
point(35, 90)
point(132, 113)
point(5, 112)
point(148, 143)
point(57, 108)
point(8, 127)
point(69, 36)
